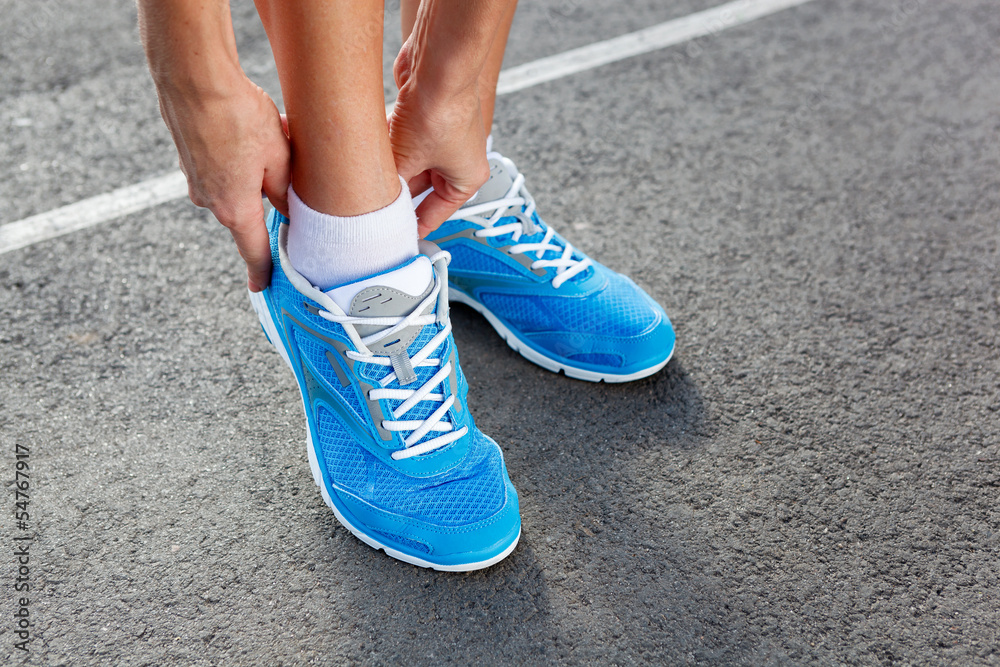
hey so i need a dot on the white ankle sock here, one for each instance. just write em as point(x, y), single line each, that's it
point(329, 250)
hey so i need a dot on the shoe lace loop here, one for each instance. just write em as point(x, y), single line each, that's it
point(488, 214)
point(438, 421)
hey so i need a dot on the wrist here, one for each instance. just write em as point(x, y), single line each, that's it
point(442, 77)
point(435, 95)
point(451, 107)
point(199, 80)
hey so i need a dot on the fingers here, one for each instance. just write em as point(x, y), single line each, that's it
point(255, 248)
point(250, 233)
point(275, 188)
point(437, 142)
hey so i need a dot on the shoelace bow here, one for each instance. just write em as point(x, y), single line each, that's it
point(437, 421)
point(518, 196)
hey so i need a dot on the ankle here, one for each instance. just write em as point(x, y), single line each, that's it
point(330, 250)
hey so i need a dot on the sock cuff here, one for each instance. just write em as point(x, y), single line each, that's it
point(392, 226)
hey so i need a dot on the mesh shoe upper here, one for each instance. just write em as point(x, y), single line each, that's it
point(561, 306)
point(615, 310)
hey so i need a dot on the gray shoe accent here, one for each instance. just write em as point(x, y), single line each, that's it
point(464, 234)
point(496, 187)
point(453, 380)
point(520, 257)
point(341, 375)
point(374, 407)
point(378, 301)
point(382, 301)
point(403, 367)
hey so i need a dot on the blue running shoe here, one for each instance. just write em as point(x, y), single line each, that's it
point(391, 443)
point(550, 302)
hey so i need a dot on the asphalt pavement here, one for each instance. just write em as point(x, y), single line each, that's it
point(813, 196)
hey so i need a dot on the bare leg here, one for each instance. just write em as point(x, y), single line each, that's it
point(329, 59)
point(491, 70)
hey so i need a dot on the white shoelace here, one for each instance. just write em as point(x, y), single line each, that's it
point(437, 421)
point(488, 214)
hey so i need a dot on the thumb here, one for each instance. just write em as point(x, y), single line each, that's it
point(439, 204)
point(278, 173)
point(275, 185)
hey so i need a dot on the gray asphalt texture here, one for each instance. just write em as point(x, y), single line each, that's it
point(813, 197)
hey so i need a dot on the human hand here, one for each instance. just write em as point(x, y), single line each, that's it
point(438, 140)
point(233, 145)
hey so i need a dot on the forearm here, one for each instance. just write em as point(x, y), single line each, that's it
point(451, 42)
point(190, 45)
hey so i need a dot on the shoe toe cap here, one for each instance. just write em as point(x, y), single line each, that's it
point(456, 520)
point(626, 332)
point(615, 354)
point(464, 546)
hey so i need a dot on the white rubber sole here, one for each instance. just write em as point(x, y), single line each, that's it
point(267, 322)
point(536, 357)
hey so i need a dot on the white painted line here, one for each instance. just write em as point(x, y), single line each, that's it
point(700, 24)
point(149, 193)
point(93, 211)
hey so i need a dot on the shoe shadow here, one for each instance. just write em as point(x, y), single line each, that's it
point(607, 506)
point(572, 416)
point(408, 615)
point(607, 569)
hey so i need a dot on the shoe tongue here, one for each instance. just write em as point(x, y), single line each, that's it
point(411, 282)
point(392, 294)
point(395, 293)
point(497, 187)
